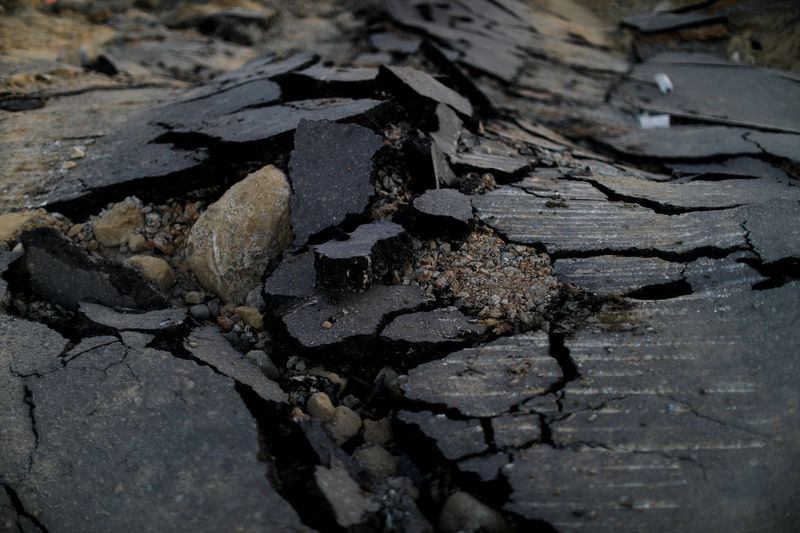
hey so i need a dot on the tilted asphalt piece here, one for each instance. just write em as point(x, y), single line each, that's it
point(330, 171)
point(321, 322)
point(370, 252)
point(712, 91)
point(446, 325)
point(161, 319)
point(489, 379)
point(129, 469)
point(292, 282)
point(773, 229)
point(444, 212)
point(420, 86)
point(64, 273)
point(456, 439)
point(610, 274)
point(319, 81)
point(685, 142)
point(209, 346)
point(741, 166)
point(348, 505)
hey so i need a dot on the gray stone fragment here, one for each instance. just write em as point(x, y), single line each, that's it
point(200, 312)
point(443, 212)
point(30, 348)
point(446, 137)
point(516, 430)
point(330, 172)
point(350, 507)
point(149, 321)
point(456, 439)
point(317, 81)
point(664, 21)
point(783, 145)
point(209, 346)
point(609, 274)
point(136, 339)
point(424, 87)
point(730, 273)
point(135, 463)
point(773, 229)
point(370, 252)
point(434, 327)
point(736, 166)
point(487, 380)
point(7, 259)
point(441, 168)
point(684, 142)
point(713, 91)
point(292, 281)
point(578, 227)
point(320, 322)
point(65, 274)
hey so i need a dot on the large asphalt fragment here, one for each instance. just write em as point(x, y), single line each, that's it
point(330, 172)
point(210, 347)
point(139, 411)
point(157, 320)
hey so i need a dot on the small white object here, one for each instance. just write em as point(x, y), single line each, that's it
point(651, 122)
point(664, 83)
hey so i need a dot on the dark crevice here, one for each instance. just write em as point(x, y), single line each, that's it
point(662, 291)
point(710, 252)
point(488, 433)
point(28, 399)
point(20, 509)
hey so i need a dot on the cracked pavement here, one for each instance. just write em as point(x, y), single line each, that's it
point(494, 286)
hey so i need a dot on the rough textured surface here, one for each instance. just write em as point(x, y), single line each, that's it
point(208, 345)
point(456, 439)
point(685, 142)
point(148, 321)
point(487, 380)
point(773, 229)
point(441, 325)
point(443, 211)
point(65, 274)
point(608, 274)
point(129, 477)
point(343, 495)
point(358, 315)
point(234, 239)
point(330, 170)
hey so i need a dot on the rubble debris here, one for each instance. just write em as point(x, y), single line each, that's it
point(463, 512)
point(293, 281)
point(489, 379)
point(63, 273)
point(330, 170)
point(456, 439)
point(343, 496)
point(369, 253)
point(378, 463)
point(444, 212)
point(420, 87)
point(153, 269)
point(516, 430)
point(320, 81)
point(103, 390)
point(148, 321)
point(446, 325)
point(649, 23)
point(684, 142)
point(236, 24)
point(352, 317)
point(582, 227)
point(712, 92)
point(343, 425)
point(13, 224)
point(113, 227)
point(232, 242)
point(209, 346)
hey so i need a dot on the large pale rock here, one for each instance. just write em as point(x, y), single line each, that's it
point(115, 226)
point(232, 242)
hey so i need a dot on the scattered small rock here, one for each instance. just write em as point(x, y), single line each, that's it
point(464, 513)
point(113, 227)
point(76, 152)
point(319, 406)
point(153, 269)
point(344, 425)
point(376, 461)
point(194, 298)
point(378, 431)
point(200, 312)
point(251, 316)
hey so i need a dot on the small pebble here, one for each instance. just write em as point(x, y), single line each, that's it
point(464, 513)
point(378, 431)
point(66, 165)
point(319, 406)
point(344, 425)
point(194, 298)
point(76, 152)
point(376, 461)
point(327, 325)
point(200, 312)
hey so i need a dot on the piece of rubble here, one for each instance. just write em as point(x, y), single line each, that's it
point(731, 272)
point(208, 345)
point(378, 463)
point(684, 142)
point(442, 172)
point(579, 227)
point(251, 316)
point(319, 81)
point(456, 439)
point(13, 224)
point(153, 269)
point(377, 431)
point(445, 212)
point(292, 282)
point(449, 132)
point(370, 252)
point(432, 327)
point(463, 512)
point(352, 317)
point(742, 166)
point(63, 273)
point(420, 87)
point(782, 145)
point(489, 379)
point(343, 425)
point(319, 406)
point(330, 167)
point(649, 23)
point(613, 274)
point(232, 242)
point(158, 320)
point(343, 496)
point(113, 227)
point(327, 452)
point(712, 92)
point(111, 392)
